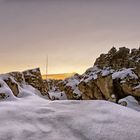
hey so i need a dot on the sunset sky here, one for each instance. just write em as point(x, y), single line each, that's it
point(72, 32)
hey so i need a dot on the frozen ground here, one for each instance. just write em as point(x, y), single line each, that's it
point(34, 118)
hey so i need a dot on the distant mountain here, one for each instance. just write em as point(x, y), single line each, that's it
point(61, 76)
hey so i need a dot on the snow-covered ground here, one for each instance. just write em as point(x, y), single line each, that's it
point(34, 118)
point(31, 116)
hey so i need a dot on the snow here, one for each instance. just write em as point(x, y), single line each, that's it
point(92, 73)
point(131, 102)
point(92, 77)
point(72, 82)
point(124, 73)
point(4, 76)
point(28, 90)
point(77, 92)
point(57, 95)
point(123, 81)
point(24, 90)
point(31, 116)
point(106, 71)
point(34, 118)
point(137, 87)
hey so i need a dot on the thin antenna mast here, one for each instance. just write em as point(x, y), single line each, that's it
point(46, 67)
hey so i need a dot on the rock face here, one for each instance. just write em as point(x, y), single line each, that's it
point(90, 91)
point(14, 80)
point(12, 85)
point(125, 66)
point(33, 77)
point(114, 75)
point(105, 84)
point(119, 59)
point(101, 88)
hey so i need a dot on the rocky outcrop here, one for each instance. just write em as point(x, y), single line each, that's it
point(70, 87)
point(101, 89)
point(114, 75)
point(122, 58)
point(15, 81)
point(33, 77)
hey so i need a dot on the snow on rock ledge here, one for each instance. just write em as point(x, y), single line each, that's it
point(124, 73)
point(14, 84)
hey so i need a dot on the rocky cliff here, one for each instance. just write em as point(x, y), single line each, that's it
point(114, 75)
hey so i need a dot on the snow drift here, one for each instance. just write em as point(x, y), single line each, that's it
point(34, 118)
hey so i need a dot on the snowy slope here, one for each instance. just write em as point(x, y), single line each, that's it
point(34, 118)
